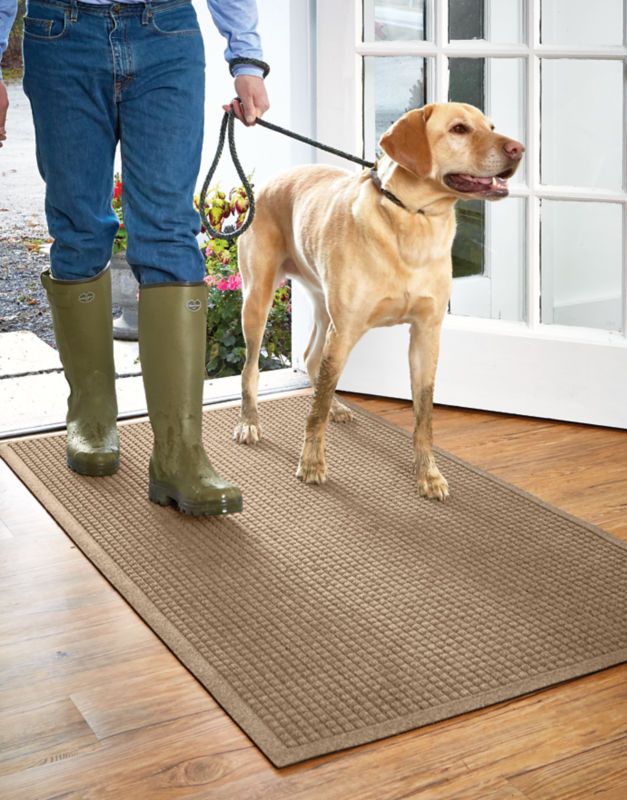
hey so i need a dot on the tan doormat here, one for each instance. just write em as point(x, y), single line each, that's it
point(328, 616)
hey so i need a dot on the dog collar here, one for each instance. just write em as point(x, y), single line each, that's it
point(376, 179)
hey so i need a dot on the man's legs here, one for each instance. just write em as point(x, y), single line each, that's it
point(161, 125)
point(67, 77)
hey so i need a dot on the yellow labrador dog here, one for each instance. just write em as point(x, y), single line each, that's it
point(372, 249)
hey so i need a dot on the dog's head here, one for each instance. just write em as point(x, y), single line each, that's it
point(455, 145)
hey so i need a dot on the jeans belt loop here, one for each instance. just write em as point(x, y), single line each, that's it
point(74, 11)
point(147, 15)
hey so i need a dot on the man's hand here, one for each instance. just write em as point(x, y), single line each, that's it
point(4, 105)
point(253, 96)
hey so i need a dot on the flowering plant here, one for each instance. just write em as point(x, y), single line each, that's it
point(226, 348)
point(119, 243)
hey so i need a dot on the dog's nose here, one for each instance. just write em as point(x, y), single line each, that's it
point(513, 149)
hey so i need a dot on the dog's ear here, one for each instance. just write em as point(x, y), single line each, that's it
point(406, 142)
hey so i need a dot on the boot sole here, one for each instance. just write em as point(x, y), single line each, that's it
point(165, 495)
point(96, 469)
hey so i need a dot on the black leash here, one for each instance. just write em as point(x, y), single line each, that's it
point(227, 127)
point(314, 143)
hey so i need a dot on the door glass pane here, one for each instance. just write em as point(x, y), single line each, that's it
point(582, 22)
point(467, 85)
point(496, 86)
point(498, 21)
point(582, 123)
point(581, 264)
point(499, 291)
point(394, 20)
point(392, 86)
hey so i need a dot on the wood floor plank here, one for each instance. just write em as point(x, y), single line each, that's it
point(158, 761)
point(143, 699)
point(554, 723)
point(599, 773)
point(132, 723)
point(61, 664)
point(43, 735)
point(17, 511)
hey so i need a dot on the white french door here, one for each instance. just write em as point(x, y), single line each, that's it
point(538, 313)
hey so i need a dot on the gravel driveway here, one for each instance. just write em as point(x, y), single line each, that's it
point(23, 231)
point(23, 302)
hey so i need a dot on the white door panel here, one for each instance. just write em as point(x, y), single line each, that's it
point(515, 372)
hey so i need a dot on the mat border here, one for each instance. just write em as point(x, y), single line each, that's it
point(260, 735)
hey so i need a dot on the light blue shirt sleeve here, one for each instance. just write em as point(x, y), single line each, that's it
point(237, 21)
point(8, 10)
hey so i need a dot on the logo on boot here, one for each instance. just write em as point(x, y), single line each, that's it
point(193, 305)
point(86, 297)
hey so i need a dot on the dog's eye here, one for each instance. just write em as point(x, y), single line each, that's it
point(459, 128)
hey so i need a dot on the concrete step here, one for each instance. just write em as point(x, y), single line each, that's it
point(33, 389)
point(24, 353)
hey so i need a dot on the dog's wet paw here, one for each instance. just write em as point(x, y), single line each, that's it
point(434, 486)
point(341, 413)
point(312, 472)
point(247, 434)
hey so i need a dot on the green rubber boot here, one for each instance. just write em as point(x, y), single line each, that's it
point(172, 344)
point(83, 328)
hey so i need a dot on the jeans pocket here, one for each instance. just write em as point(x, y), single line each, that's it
point(46, 30)
point(178, 21)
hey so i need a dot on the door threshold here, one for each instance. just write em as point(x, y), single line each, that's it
point(37, 403)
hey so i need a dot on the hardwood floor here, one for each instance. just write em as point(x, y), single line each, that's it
point(93, 706)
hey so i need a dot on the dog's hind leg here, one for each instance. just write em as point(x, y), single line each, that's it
point(258, 289)
point(312, 464)
point(313, 355)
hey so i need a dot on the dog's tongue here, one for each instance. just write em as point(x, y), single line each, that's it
point(474, 179)
point(472, 183)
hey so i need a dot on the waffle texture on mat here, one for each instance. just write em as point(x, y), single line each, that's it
point(328, 616)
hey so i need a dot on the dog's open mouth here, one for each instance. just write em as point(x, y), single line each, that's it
point(495, 186)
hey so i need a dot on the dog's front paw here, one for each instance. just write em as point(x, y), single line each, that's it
point(245, 433)
point(312, 467)
point(340, 413)
point(312, 473)
point(433, 485)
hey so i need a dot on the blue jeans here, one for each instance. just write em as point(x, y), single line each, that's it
point(96, 75)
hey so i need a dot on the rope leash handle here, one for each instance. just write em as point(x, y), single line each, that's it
point(230, 233)
point(228, 121)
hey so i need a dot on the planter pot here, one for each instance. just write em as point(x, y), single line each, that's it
point(124, 289)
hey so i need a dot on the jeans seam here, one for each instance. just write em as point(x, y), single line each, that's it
point(114, 67)
point(155, 25)
point(36, 37)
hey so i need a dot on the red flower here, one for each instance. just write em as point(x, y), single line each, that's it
point(117, 190)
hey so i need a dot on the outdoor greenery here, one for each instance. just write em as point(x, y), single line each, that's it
point(119, 243)
point(226, 348)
